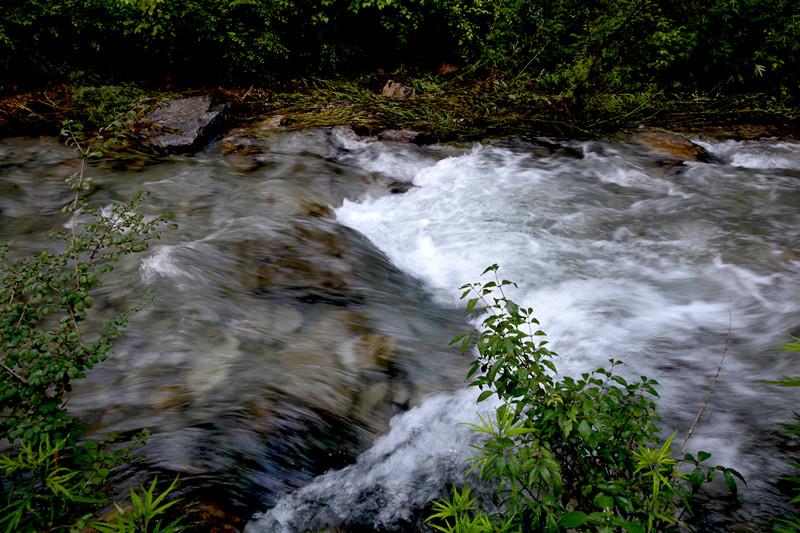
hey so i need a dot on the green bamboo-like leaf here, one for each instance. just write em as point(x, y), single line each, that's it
point(484, 395)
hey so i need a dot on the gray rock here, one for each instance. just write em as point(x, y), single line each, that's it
point(182, 125)
point(403, 136)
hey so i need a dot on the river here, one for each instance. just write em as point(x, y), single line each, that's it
point(295, 360)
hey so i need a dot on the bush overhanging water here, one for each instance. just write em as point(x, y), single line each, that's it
point(565, 453)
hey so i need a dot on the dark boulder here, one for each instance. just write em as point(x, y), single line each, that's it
point(182, 125)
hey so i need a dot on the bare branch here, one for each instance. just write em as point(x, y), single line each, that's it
point(710, 391)
point(11, 371)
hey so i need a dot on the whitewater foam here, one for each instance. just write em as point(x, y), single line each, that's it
point(424, 451)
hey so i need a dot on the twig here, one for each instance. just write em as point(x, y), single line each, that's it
point(710, 391)
point(532, 59)
point(11, 371)
point(75, 325)
point(21, 317)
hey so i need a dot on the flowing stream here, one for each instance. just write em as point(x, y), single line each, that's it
point(295, 360)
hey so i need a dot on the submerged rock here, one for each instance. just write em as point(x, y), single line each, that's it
point(182, 125)
point(372, 400)
point(282, 342)
point(241, 151)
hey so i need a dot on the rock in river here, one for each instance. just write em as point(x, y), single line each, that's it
point(405, 136)
point(182, 125)
point(672, 148)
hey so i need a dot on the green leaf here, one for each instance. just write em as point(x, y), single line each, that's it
point(465, 343)
point(604, 501)
point(512, 307)
point(485, 394)
point(730, 481)
point(573, 519)
point(633, 527)
point(696, 478)
point(491, 268)
point(625, 504)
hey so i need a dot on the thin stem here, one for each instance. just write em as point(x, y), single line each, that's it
point(11, 371)
point(707, 399)
point(75, 325)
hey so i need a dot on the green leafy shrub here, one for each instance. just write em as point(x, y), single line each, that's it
point(101, 106)
point(52, 479)
point(145, 513)
point(582, 49)
point(565, 453)
point(791, 523)
point(57, 484)
point(46, 337)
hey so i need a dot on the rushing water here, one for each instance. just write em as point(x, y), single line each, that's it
point(310, 291)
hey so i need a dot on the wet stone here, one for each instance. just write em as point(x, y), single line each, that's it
point(375, 350)
point(403, 136)
point(182, 125)
point(169, 397)
point(242, 151)
point(372, 399)
point(402, 394)
point(399, 187)
point(672, 148)
point(286, 320)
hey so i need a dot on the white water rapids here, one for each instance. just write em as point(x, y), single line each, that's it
point(619, 258)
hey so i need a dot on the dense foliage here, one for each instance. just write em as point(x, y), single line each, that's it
point(52, 479)
point(791, 523)
point(565, 453)
point(566, 45)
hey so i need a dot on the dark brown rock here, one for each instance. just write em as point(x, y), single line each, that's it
point(672, 148)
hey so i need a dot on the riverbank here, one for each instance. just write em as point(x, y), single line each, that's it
point(437, 109)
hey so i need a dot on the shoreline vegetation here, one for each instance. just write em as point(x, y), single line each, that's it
point(440, 110)
point(478, 69)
